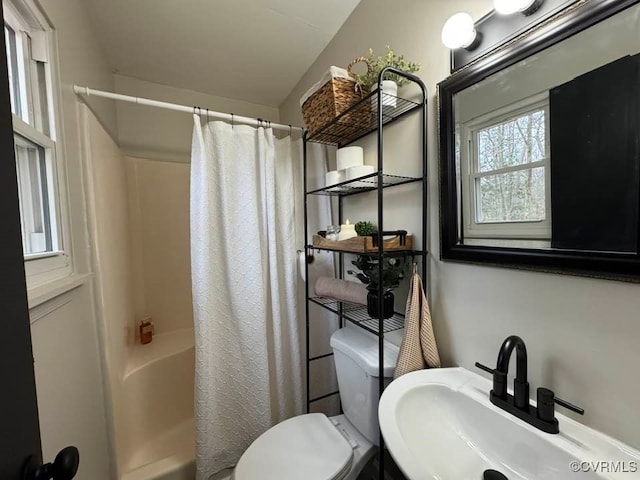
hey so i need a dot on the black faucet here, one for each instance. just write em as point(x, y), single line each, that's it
point(520, 383)
point(542, 416)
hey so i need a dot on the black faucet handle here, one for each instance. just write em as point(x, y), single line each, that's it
point(499, 380)
point(485, 368)
point(546, 405)
point(569, 406)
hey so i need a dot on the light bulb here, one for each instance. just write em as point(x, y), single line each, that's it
point(459, 31)
point(507, 7)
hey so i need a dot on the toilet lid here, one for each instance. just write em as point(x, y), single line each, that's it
point(307, 446)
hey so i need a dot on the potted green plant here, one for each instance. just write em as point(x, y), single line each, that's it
point(391, 82)
point(364, 229)
point(369, 273)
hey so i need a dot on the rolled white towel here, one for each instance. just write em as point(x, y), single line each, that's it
point(341, 290)
point(302, 260)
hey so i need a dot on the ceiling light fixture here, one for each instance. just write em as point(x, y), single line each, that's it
point(507, 7)
point(459, 31)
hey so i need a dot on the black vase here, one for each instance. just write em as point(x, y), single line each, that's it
point(387, 304)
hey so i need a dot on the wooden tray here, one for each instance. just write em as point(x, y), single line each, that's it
point(362, 244)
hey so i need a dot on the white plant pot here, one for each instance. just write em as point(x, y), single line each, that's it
point(389, 94)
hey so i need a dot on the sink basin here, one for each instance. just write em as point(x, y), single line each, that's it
point(439, 424)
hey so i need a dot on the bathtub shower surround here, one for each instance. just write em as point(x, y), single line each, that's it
point(134, 203)
point(244, 275)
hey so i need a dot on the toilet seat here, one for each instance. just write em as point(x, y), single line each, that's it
point(308, 446)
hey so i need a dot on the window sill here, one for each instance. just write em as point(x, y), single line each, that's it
point(43, 293)
point(509, 242)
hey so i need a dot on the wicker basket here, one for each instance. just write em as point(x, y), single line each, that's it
point(333, 98)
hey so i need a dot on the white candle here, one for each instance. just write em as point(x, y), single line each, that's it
point(347, 230)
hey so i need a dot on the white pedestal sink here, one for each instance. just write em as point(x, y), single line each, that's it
point(440, 425)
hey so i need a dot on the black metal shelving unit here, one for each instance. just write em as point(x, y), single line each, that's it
point(369, 115)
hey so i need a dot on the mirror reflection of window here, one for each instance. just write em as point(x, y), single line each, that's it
point(505, 173)
point(509, 178)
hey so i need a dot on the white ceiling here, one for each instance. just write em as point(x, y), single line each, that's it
point(253, 50)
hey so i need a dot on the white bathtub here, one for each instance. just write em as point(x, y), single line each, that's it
point(157, 410)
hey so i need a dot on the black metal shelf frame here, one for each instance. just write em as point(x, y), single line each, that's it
point(366, 183)
point(357, 314)
point(360, 119)
point(371, 114)
point(390, 253)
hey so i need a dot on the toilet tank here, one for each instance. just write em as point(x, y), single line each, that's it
point(355, 353)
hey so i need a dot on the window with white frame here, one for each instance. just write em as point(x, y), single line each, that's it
point(29, 52)
point(505, 172)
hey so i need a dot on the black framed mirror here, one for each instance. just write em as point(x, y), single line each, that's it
point(540, 147)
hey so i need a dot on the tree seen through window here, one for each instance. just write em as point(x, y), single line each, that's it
point(510, 181)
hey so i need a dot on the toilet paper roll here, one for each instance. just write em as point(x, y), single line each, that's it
point(333, 177)
point(361, 171)
point(348, 157)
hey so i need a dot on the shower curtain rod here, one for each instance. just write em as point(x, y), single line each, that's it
point(230, 117)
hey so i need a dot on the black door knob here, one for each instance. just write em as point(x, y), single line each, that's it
point(64, 467)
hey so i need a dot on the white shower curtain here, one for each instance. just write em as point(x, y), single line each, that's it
point(243, 258)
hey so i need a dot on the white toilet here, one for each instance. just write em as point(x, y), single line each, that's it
point(316, 447)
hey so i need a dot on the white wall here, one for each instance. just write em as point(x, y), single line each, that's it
point(67, 352)
point(154, 133)
point(581, 333)
point(69, 382)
